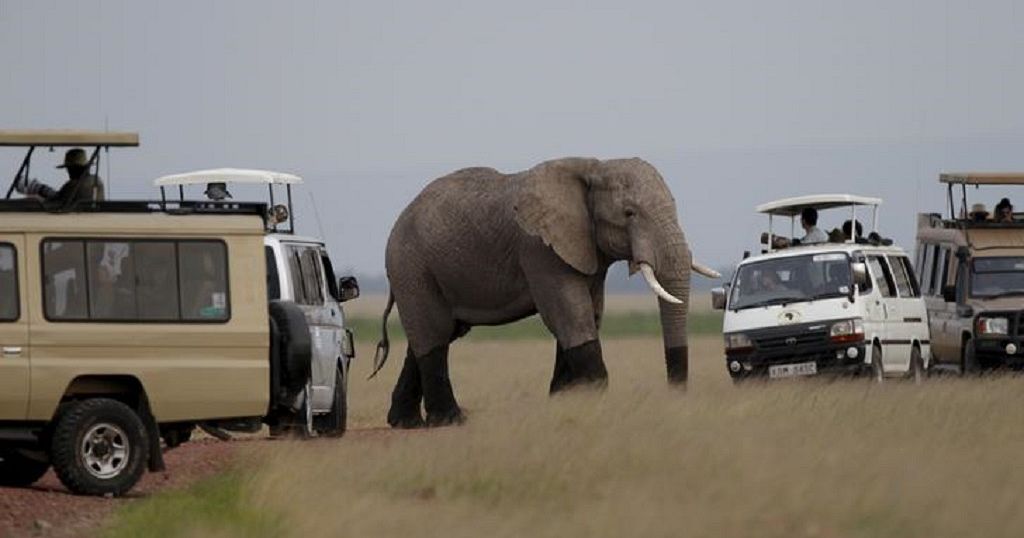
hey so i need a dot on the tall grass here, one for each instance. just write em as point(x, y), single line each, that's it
point(809, 457)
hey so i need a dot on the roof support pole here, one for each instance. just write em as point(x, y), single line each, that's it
point(771, 233)
point(874, 219)
point(270, 187)
point(949, 193)
point(853, 225)
point(22, 171)
point(291, 213)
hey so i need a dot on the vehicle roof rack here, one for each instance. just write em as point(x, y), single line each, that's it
point(67, 138)
point(983, 178)
point(25, 205)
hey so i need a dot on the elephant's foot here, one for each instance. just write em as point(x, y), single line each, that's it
point(405, 421)
point(582, 366)
point(449, 417)
point(677, 364)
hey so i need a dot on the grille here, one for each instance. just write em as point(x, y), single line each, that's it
point(790, 340)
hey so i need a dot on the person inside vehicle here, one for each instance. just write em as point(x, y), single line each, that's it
point(769, 281)
point(1004, 212)
point(218, 192)
point(978, 213)
point(81, 186)
point(809, 222)
point(848, 230)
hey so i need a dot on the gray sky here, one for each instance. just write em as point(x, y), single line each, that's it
point(737, 103)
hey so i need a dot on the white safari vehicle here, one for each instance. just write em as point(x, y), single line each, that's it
point(299, 272)
point(847, 305)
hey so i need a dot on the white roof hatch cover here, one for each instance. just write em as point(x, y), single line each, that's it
point(790, 207)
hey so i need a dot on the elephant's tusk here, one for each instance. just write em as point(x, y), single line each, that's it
point(652, 281)
point(705, 270)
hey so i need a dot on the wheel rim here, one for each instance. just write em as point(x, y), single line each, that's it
point(105, 450)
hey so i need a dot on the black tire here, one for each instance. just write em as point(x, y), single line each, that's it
point(877, 368)
point(17, 470)
point(92, 467)
point(969, 365)
point(333, 424)
point(916, 371)
point(294, 346)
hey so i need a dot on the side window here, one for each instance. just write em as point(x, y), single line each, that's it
point(332, 279)
point(942, 269)
point(306, 275)
point(880, 273)
point(64, 281)
point(204, 280)
point(9, 300)
point(925, 269)
point(111, 277)
point(135, 280)
point(273, 277)
point(903, 276)
point(295, 275)
point(156, 276)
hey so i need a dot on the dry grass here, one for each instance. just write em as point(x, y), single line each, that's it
point(810, 458)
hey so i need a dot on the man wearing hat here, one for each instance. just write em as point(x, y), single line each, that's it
point(81, 186)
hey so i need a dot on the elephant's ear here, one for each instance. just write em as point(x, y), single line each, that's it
point(552, 203)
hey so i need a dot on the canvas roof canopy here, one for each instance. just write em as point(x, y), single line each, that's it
point(791, 207)
point(983, 178)
point(67, 138)
point(229, 175)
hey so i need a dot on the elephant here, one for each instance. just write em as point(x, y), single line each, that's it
point(479, 247)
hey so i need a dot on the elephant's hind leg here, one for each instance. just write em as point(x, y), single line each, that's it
point(405, 399)
point(438, 395)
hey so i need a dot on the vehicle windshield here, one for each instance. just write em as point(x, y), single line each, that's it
point(791, 279)
point(997, 277)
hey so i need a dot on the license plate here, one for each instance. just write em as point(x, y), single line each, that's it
point(792, 370)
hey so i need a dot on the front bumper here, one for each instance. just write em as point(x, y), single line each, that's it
point(992, 352)
point(795, 344)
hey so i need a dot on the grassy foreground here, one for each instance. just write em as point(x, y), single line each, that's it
point(802, 458)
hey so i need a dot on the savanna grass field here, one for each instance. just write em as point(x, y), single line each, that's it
point(806, 457)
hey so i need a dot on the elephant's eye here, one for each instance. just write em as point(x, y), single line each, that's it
point(630, 213)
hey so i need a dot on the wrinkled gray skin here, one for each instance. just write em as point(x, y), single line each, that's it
point(478, 247)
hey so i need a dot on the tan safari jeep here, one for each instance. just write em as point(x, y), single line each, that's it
point(128, 323)
point(971, 267)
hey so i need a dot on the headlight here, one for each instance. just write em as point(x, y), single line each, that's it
point(993, 326)
point(737, 341)
point(850, 330)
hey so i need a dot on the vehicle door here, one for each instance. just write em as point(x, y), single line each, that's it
point(14, 348)
point(911, 323)
point(942, 313)
point(881, 310)
point(309, 290)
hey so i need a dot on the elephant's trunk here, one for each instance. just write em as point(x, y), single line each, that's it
point(669, 255)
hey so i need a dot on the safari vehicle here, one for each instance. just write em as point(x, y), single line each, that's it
point(846, 306)
point(124, 323)
point(972, 278)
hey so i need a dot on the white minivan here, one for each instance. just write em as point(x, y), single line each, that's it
point(847, 305)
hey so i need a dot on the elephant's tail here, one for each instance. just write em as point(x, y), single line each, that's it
point(384, 346)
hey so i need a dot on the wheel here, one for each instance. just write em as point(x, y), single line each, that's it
point(99, 447)
point(294, 346)
point(916, 371)
point(969, 361)
point(333, 424)
point(877, 370)
point(304, 417)
point(18, 470)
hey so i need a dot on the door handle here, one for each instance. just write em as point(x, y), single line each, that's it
point(11, 350)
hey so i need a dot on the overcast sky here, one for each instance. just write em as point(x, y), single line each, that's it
point(736, 103)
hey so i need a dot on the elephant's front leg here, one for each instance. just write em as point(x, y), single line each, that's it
point(564, 300)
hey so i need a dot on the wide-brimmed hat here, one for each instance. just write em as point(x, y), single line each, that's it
point(217, 190)
point(75, 157)
point(978, 208)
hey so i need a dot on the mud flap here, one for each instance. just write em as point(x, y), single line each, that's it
point(156, 455)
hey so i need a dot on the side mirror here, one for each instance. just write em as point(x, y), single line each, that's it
point(718, 298)
point(348, 288)
point(949, 294)
point(860, 274)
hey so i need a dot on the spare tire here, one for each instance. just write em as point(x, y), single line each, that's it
point(292, 348)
